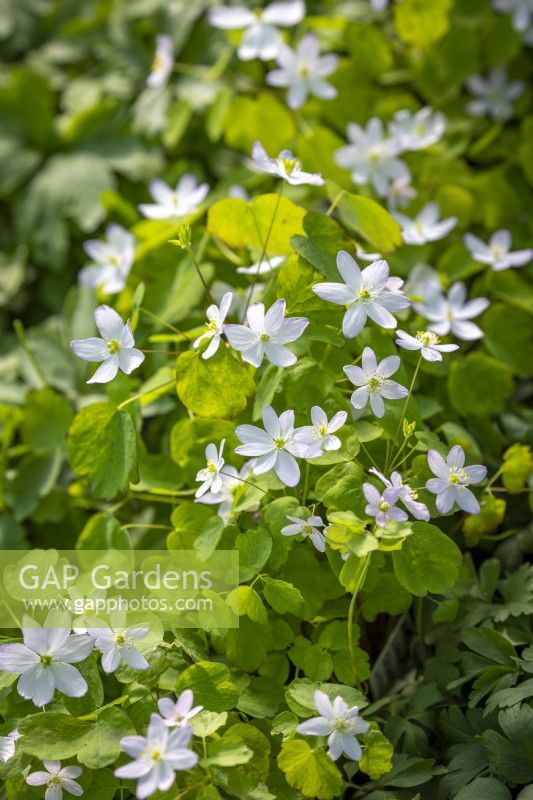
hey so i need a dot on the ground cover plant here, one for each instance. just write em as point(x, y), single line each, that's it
point(265, 288)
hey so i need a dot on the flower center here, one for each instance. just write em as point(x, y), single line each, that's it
point(114, 260)
point(307, 529)
point(54, 780)
point(212, 326)
point(113, 346)
point(264, 337)
point(290, 165)
point(46, 659)
point(211, 467)
point(458, 477)
point(304, 71)
point(119, 637)
point(323, 431)
point(420, 129)
point(156, 755)
point(383, 506)
point(279, 442)
point(496, 252)
point(364, 294)
point(427, 338)
point(374, 383)
point(340, 724)
point(158, 63)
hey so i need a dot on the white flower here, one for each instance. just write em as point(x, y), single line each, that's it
point(268, 264)
point(339, 723)
point(44, 662)
point(115, 349)
point(417, 131)
point(497, 253)
point(215, 325)
point(367, 293)
point(266, 335)
point(157, 756)
point(307, 527)
point(210, 475)
point(261, 38)
point(425, 341)
point(303, 71)
point(494, 95)
point(272, 448)
point(405, 494)
point(521, 11)
point(111, 260)
point(178, 714)
point(379, 5)
point(162, 64)
point(364, 256)
point(7, 746)
point(320, 435)
point(423, 283)
point(400, 192)
point(426, 226)
point(381, 506)
point(118, 643)
point(285, 166)
point(374, 382)
point(371, 157)
point(452, 313)
point(185, 199)
point(231, 480)
point(452, 480)
point(79, 606)
point(56, 779)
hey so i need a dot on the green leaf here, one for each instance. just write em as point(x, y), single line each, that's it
point(103, 532)
point(421, 23)
point(239, 223)
point(367, 218)
point(377, 754)
point(228, 751)
point(247, 119)
point(516, 467)
point(310, 771)
point(482, 789)
point(429, 561)
point(102, 448)
point(323, 240)
point(214, 387)
point(511, 755)
point(468, 381)
point(282, 596)
point(47, 417)
point(211, 684)
point(56, 736)
point(246, 602)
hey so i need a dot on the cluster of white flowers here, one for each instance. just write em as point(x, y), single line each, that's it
point(165, 748)
point(44, 660)
point(372, 155)
point(339, 723)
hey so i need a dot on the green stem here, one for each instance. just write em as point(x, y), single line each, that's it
point(163, 322)
point(363, 569)
point(402, 417)
point(200, 275)
point(142, 394)
point(265, 246)
point(335, 202)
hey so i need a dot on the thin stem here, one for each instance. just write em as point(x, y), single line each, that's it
point(397, 464)
point(161, 352)
point(402, 417)
point(358, 585)
point(365, 451)
point(200, 275)
point(146, 525)
point(243, 480)
point(335, 202)
point(265, 246)
point(164, 322)
point(141, 394)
